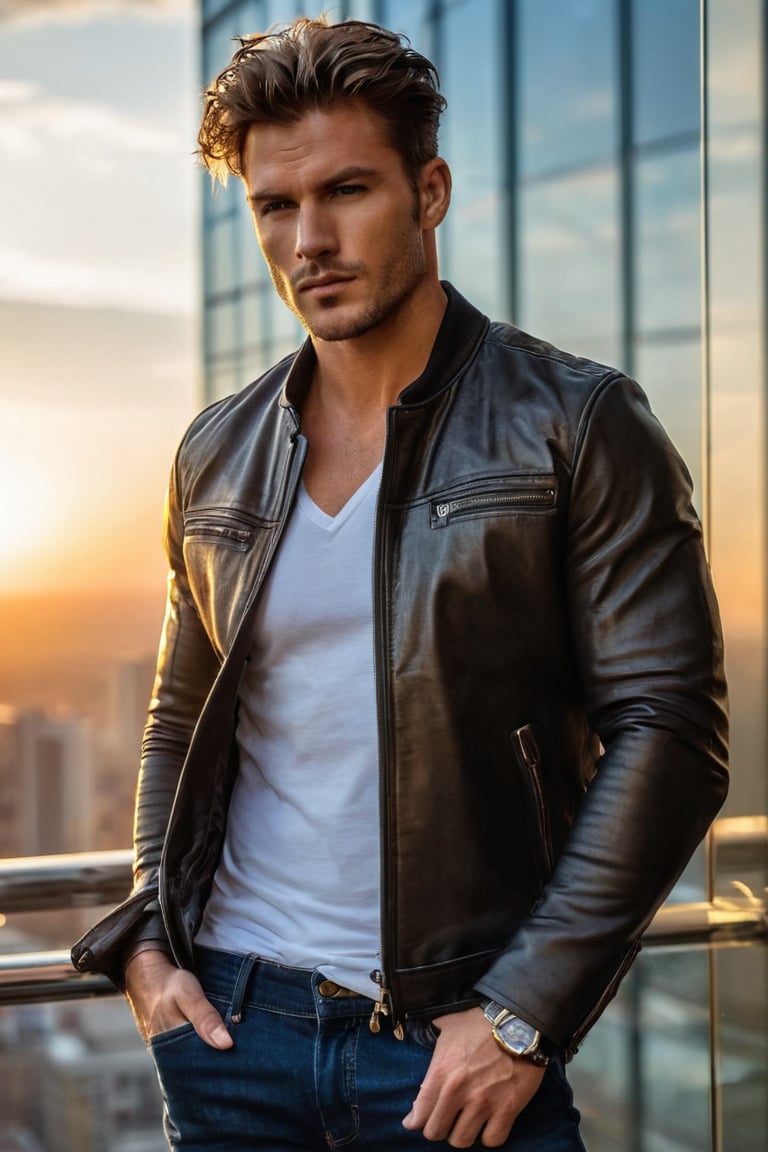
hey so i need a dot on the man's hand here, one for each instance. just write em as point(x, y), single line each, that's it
point(473, 1089)
point(163, 996)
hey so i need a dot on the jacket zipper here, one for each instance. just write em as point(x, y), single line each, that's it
point(386, 1003)
point(200, 526)
point(527, 496)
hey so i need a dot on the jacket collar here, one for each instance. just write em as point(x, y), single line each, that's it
point(460, 332)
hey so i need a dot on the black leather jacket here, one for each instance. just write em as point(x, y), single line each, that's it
point(549, 672)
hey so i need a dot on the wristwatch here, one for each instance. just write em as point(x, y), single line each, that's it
point(514, 1035)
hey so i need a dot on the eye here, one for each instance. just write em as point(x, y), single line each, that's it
point(348, 189)
point(274, 206)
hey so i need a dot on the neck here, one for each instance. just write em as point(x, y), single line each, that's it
point(369, 372)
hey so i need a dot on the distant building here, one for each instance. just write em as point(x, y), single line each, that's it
point(101, 1092)
point(53, 766)
point(131, 688)
point(101, 1088)
point(9, 785)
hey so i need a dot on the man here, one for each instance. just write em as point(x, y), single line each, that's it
point(439, 712)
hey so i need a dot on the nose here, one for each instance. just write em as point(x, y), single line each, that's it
point(315, 235)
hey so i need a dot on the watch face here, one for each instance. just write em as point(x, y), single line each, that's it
point(517, 1035)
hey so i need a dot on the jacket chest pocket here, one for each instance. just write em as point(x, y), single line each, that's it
point(218, 529)
point(508, 495)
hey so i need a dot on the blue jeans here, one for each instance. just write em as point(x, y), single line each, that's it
point(306, 1073)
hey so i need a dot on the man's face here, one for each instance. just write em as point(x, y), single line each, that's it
point(337, 219)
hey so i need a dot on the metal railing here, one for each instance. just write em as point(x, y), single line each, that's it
point(93, 879)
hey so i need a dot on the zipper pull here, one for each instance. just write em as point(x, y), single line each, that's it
point(380, 1008)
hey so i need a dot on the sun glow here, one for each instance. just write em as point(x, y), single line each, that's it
point(29, 513)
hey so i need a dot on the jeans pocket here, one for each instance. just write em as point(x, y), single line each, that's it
point(172, 1035)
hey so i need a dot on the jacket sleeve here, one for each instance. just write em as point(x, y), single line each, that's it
point(186, 668)
point(648, 643)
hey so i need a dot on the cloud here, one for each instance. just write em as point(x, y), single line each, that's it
point(30, 275)
point(17, 91)
point(74, 11)
point(33, 120)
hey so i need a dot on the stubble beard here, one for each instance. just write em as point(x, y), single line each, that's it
point(399, 279)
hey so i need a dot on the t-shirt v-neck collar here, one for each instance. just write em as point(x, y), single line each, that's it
point(322, 519)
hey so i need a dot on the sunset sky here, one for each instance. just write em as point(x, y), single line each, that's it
point(98, 284)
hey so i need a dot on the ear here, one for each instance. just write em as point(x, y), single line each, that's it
point(434, 193)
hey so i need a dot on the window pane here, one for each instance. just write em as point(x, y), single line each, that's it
point(642, 1076)
point(741, 981)
point(569, 265)
point(253, 270)
point(668, 199)
point(413, 18)
point(670, 374)
point(737, 378)
point(475, 256)
point(221, 328)
point(221, 380)
point(252, 320)
point(665, 41)
point(213, 7)
point(283, 325)
point(566, 60)
point(280, 12)
point(219, 43)
point(220, 270)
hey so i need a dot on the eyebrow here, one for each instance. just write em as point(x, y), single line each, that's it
point(344, 176)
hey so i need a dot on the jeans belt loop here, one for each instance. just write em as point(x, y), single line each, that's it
point(235, 1013)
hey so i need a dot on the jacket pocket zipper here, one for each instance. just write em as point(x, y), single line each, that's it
point(233, 535)
point(528, 757)
point(442, 512)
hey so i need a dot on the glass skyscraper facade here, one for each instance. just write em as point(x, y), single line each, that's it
point(609, 162)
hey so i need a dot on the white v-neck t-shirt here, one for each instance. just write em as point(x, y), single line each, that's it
point(298, 881)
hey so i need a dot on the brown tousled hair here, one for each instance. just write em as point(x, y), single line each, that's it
point(274, 77)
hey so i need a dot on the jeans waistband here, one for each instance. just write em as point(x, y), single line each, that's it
point(246, 980)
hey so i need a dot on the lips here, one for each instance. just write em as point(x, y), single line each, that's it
point(326, 281)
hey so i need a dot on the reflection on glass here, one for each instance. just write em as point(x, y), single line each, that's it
point(474, 262)
point(253, 270)
point(475, 256)
point(665, 68)
point(412, 17)
point(741, 1061)
point(736, 243)
point(281, 323)
point(213, 7)
point(220, 270)
point(670, 374)
point(668, 205)
point(569, 263)
point(222, 328)
point(567, 67)
point(252, 317)
point(642, 1077)
point(221, 380)
point(737, 381)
